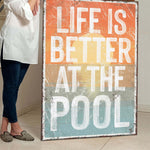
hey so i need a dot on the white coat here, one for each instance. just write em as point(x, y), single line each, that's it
point(20, 32)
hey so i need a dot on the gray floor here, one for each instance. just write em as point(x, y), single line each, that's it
point(31, 122)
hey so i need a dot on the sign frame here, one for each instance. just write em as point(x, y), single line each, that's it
point(136, 74)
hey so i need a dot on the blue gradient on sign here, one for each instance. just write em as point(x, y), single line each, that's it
point(65, 129)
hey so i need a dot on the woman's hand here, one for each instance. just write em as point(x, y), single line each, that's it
point(34, 4)
point(36, 7)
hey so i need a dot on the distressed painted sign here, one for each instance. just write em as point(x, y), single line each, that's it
point(89, 69)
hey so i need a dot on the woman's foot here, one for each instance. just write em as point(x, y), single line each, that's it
point(15, 129)
point(4, 125)
point(4, 134)
point(20, 134)
point(25, 136)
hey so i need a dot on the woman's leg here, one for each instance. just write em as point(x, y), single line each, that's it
point(13, 73)
point(15, 127)
point(23, 70)
point(10, 73)
point(4, 124)
point(5, 121)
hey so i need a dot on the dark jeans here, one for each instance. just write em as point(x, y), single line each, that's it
point(13, 73)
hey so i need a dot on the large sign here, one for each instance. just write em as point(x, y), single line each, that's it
point(89, 69)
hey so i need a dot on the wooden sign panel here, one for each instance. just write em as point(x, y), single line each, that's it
point(89, 69)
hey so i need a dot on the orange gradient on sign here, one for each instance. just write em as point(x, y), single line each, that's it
point(102, 25)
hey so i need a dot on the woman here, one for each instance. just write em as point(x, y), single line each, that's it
point(19, 38)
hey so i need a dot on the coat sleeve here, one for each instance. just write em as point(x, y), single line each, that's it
point(20, 8)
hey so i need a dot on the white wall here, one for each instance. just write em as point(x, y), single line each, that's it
point(144, 55)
